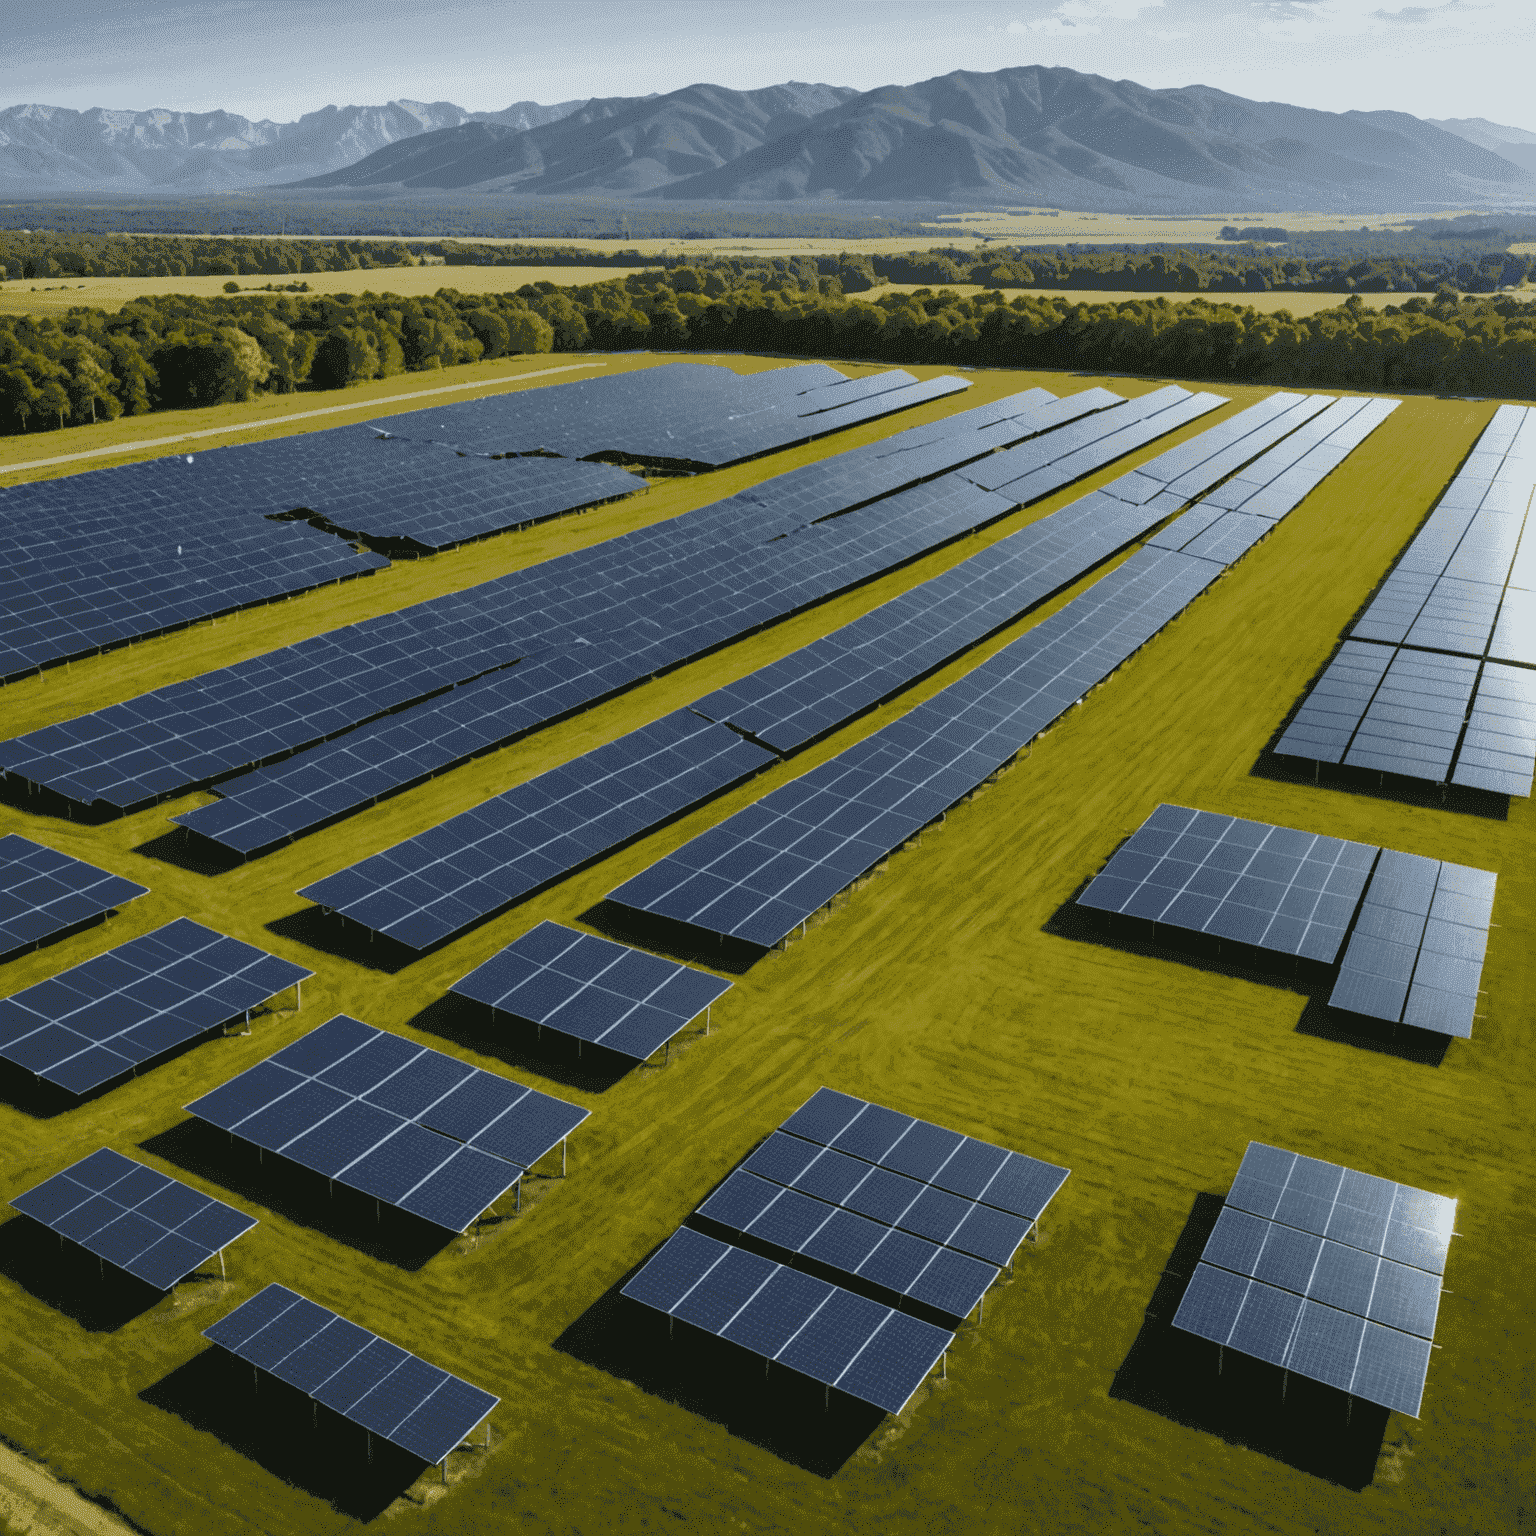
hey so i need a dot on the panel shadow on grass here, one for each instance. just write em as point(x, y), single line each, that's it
point(295, 1193)
point(280, 1428)
point(775, 1408)
point(184, 849)
point(332, 934)
point(667, 936)
point(523, 1046)
point(1310, 980)
point(61, 1274)
point(1460, 799)
point(1248, 1402)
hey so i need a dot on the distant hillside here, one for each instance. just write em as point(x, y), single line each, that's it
point(55, 149)
point(1051, 136)
point(622, 145)
point(1514, 144)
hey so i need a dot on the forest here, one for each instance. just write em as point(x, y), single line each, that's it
point(160, 353)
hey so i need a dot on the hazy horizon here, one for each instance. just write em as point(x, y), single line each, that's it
point(1452, 59)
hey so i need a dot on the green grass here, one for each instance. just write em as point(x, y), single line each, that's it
point(934, 989)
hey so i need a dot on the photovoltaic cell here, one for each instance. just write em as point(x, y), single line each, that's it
point(412, 1127)
point(829, 1334)
point(605, 993)
point(44, 893)
point(388, 1391)
point(1271, 887)
point(108, 1015)
point(156, 1228)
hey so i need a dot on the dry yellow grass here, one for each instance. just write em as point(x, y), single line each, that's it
point(936, 989)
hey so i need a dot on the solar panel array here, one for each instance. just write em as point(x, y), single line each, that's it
point(410, 1126)
point(111, 1014)
point(437, 883)
point(646, 600)
point(388, 1391)
point(44, 893)
point(665, 623)
point(834, 1336)
point(903, 1204)
point(766, 869)
point(1438, 678)
point(1417, 928)
point(1416, 953)
point(592, 989)
point(1272, 887)
point(1327, 1272)
point(685, 414)
point(156, 1228)
point(113, 555)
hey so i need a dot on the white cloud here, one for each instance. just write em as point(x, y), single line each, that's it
point(1082, 18)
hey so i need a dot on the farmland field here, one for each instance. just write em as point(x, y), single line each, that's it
point(942, 987)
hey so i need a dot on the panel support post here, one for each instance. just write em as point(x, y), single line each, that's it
point(519, 1197)
point(223, 1273)
point(1285, 1381)
point(826, 1402)
point(445, 1471)
point(981, 1307)
point(1349, 1410)
point(708, 1013)
point(944, 1366)
point(1221, 1355)
point(562, 1156)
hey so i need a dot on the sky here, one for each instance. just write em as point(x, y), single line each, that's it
point(281, 58)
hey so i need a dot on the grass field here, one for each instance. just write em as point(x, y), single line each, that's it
point(937, 989)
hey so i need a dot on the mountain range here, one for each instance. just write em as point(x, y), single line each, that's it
point(45, 149)
point(1051, 136)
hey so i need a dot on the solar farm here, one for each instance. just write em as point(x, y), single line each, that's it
point(777, 945)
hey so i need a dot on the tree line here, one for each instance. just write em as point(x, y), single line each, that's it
point(160, 353)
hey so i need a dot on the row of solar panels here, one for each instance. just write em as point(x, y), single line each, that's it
point(632, 605)
point(766, 869)
point(1417, 928)
point(1438, 678)
point(431, 886)
point(118, 554)
point(705, 609)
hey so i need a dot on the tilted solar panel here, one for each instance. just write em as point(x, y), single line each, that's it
point(44, 893)
point(111, 1014)
point(388, 1391)
point(597, 991)
point(831, 1335)
point(408, 1125)
point(156, 1228)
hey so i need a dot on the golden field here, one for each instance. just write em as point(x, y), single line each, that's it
point(938, 989)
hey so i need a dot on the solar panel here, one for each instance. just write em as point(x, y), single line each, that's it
point(1327, 1272)
point(597, 991)
point(1272, 887)
point(156, 1228)
point(1416, 953)
point(392, 1394)
point(822, 1331)
point(44, 893)
point(433, 885)
point(113, 1013)
point(597, 619)
point(408, 1125)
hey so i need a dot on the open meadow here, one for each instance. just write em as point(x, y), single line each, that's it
point(943, 987)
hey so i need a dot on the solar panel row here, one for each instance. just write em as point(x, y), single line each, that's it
point(99, 559)
point(767, 868)
point(155, 1228)
point(44, 893)
point(686, 414)
point(435, 884)
point(111, 1014)
point(1422, 714)
point(834, 1336)
point(410, 1126)
point(636, 588)
point(592, 989)
point(1433, 682)
point(755, 587)
point(1327, 1272)
point(1416, 953)
point(388, 1391)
